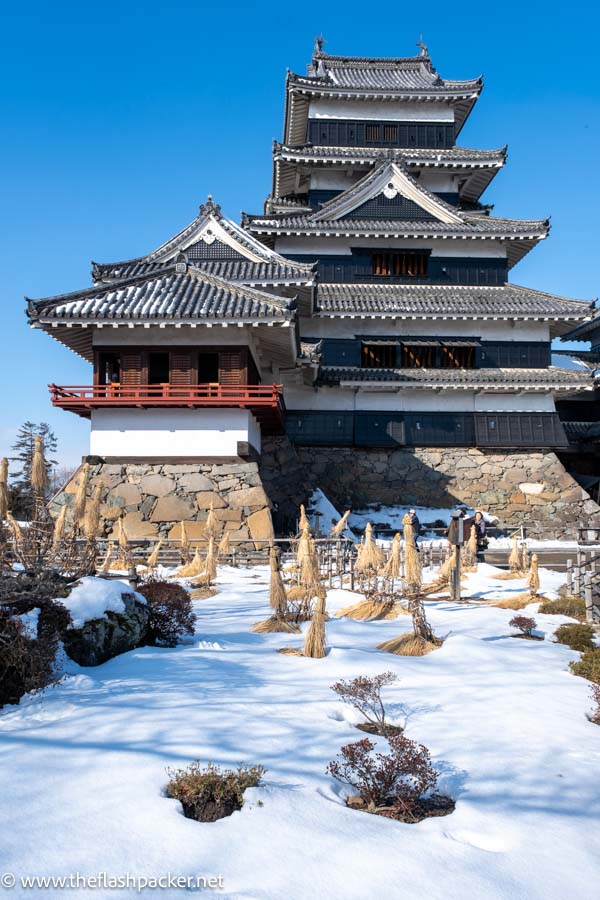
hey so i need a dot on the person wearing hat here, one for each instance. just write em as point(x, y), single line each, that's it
point(416, 525)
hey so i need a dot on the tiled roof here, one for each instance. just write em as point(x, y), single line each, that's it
point(587, 331)
point(164, 296)
point(453, 156)
point(446, 300)
point(412, 74)
point(582, 431)
point(513, 378)
point(242, 270)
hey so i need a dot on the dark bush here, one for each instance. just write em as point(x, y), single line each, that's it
point(564, 606)
point(364, 694)
point(395, 779)
point(588, 666)
point(171, 613)
point(577, 637)
point(30, 589)
point(211, 793)
point(27, 660)
point(524, 624)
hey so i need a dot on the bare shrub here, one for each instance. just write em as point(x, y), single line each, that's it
point(397, 779)
point(171, 613)
point(524, 624)
point(27, 661)
point(364, 694)
point(595, 716)
point(211, 793)
point(564, 606)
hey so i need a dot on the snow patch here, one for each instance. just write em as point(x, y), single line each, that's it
point(93, 597)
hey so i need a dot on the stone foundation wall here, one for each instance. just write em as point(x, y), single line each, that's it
point(520, 487)
point(154, 499)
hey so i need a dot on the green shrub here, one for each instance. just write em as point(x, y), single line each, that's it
point(564, 606)
point(577, 637)
point(211, 793)
point(588, 666)
point(171, 613)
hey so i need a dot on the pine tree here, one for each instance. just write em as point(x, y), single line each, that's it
point(21, 494)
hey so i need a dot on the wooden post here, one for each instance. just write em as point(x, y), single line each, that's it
point(351, 573)
point(569, 576)
point(455, 578)
point(587, 596)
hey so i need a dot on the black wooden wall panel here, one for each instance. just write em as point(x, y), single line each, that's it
point(491, 354)
point(359, 133)
point(356, 267)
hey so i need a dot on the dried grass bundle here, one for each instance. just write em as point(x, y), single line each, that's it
point(370, 557)
point(212, 526)
point(152, 560)
point(448, 566)
point(470, 555)
point(275, 624)
point(91, 520)
point(369, 610)
point(122, 535)
point(78, 507)
point(524, 558)
point(59, 527)
point(517, 601)
point(296, 592)
point(314, 644)
point(210, 563)
point(17, 531)
point(3, 489)
point(303, 547)
point(39, 473)
point(392, 566)
point(514, 559)
point(340, 526)
point(533, 579)
point(106, 562)
point(193, 568)
point(310, 572)
point(303, 522)
point(224, 544)
point(409, 644)
point(277, 595)
point(412, 568)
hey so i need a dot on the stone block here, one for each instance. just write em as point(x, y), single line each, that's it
point(532, 488)
point(260, 526)
point(239, 534)
point(205, 498)
point(157, 485)
point(193, 482)
point(248, 497)
point(194, 531)
point(128, 492)
point(171, 509)
point(135, 527)
point(228, 515)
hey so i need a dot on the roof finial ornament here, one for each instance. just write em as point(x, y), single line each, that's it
point(210, 207)
point(319, 42)
point(422, 47)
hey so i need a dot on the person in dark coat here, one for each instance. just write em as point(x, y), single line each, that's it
point(416, 525)
point(481, 531)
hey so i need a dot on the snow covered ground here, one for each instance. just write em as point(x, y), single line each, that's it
point(82, 766)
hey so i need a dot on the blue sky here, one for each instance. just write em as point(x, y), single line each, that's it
point(118, 119)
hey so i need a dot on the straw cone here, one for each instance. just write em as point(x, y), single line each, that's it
point(193, 568)
point(59, 526)
point(471, 548)
point(303, 523)
point(122, 535)
point(91, 521)
point(39, 473)
point(105, 567)
point(392, 566)
point(534, 579)
point(524, 558)
point(3, 489)
point(210, 563)
point(371, 556)
point(412, 573)
point(408, 644)
point(212, 526)
point(79, 501)
point(339, 527)
point(277, 594)
point(223, 548)
point(369, 610)
point(514, 560)
point(152, 560)
point(314, 644)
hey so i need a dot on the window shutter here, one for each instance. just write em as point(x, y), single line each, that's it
point(181, 368)
point(131, 368)
point(232, 367)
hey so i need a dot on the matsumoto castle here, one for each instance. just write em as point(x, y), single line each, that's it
point(363, 334)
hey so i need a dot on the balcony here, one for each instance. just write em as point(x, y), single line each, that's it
point(265, 402)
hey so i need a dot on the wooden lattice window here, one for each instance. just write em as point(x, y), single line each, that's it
point(418, 357)
point(390, 134)
point(378, 356)
point(372, 132)
point(381, 264)
point(457, 358)
point(410, 265)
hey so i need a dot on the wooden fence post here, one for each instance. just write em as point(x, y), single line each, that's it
point(587, 596)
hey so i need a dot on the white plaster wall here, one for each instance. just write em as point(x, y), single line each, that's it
point(348, 399)
point(323, 245)
point(171, 432)
point(396, 327)
point(332, 179)
point(325, 108)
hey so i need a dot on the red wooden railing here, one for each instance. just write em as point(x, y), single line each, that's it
point(265, 401)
